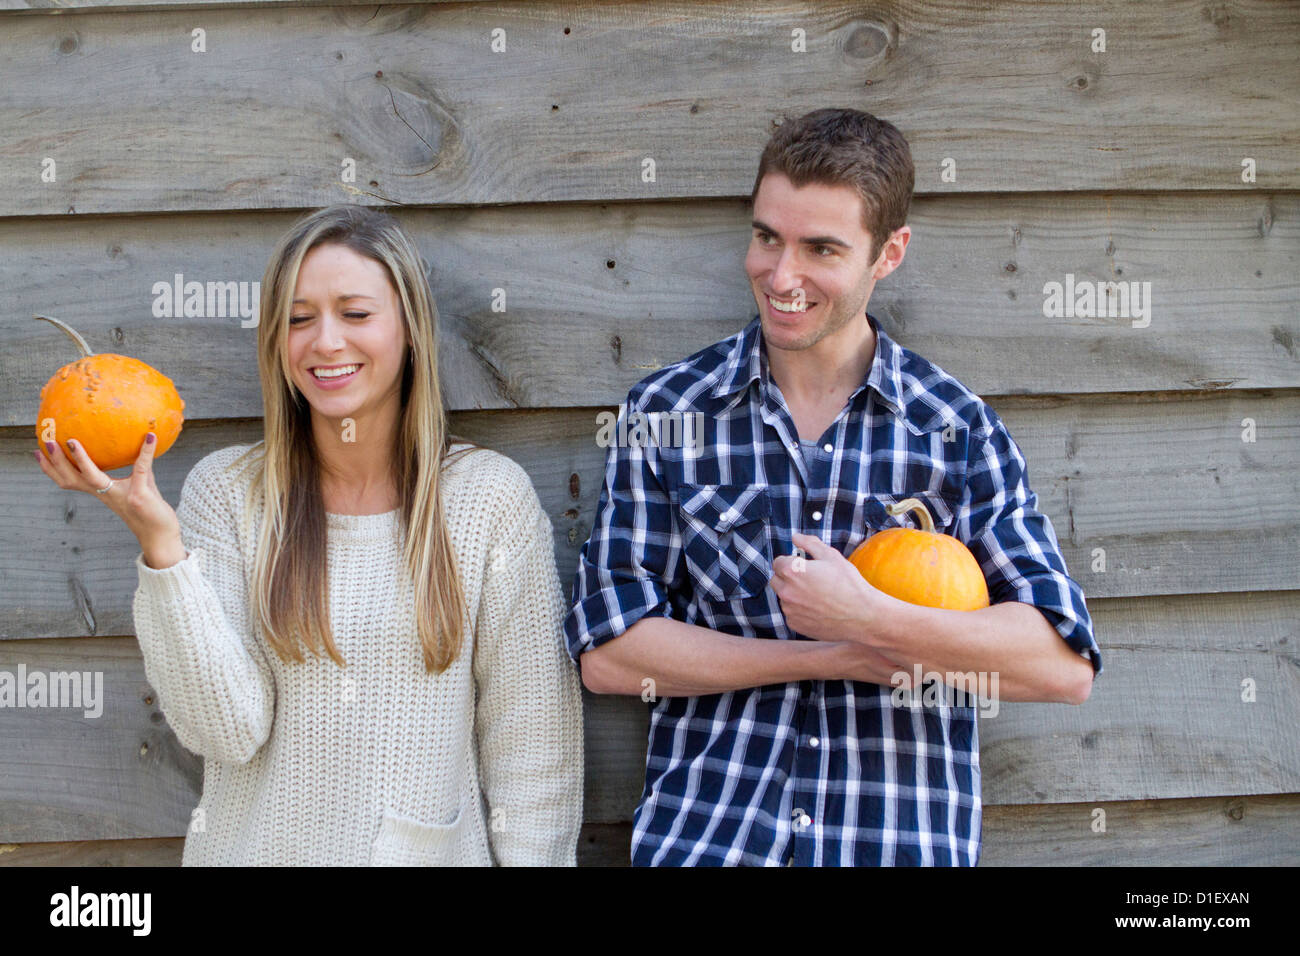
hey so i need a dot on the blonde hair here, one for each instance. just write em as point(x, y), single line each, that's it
point(289, 594)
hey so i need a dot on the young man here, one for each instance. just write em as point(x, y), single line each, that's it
point(776, 734)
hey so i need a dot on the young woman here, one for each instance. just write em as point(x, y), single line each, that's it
point(355, 621)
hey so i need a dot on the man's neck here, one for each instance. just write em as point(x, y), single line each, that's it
point(828, 371)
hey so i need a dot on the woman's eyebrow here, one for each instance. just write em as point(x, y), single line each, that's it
point(341, 298)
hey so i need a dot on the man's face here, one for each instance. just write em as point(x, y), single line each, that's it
point(808, 262)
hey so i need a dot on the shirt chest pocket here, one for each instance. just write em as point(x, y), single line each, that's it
point(725, 539)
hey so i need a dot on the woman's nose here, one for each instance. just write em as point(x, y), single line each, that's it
point(329, 335)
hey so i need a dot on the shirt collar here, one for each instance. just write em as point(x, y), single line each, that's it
point(746, 363)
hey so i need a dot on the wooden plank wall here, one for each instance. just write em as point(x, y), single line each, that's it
point(1166, 454)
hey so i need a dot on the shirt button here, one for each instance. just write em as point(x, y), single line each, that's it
point(828, 447)
point(805, 820)
point(813, 741)
point(817, 516)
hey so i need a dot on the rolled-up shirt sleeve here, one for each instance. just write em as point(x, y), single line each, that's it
point(632, 562)
point(1015, 543)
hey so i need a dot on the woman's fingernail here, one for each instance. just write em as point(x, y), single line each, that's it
point(72, 444)
point(49, 446)
point(148, 439)
point(38, 455)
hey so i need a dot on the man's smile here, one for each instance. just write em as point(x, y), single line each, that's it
point(798, 306)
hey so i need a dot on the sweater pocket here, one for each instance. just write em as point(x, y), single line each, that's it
point(402, 841)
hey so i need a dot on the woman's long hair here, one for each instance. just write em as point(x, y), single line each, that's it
point(289, 594)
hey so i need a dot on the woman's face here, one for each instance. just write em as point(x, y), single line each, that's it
point(346, 341)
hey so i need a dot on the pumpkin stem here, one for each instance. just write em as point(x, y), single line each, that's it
point(72, 334)
point(913, 504)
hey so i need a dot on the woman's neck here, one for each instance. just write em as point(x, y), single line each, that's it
point(356, 462)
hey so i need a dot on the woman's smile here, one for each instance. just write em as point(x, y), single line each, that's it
point(331, 377)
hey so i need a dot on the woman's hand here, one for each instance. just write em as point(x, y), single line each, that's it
point(135, 500)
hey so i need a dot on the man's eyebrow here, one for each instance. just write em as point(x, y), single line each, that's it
point(808, 241)
point(342, 298)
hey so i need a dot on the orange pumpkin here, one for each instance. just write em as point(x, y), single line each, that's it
point(108, 403)
point(922, 566)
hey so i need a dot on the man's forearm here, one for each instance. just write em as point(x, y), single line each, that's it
point(1013, 640)
point(685, 660)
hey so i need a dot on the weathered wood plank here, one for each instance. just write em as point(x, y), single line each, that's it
point(1164, 486)
point(1210, 831)
point(1147, 496)
point(580, 97)
point(599, 844)
point(1163, 495)
point(598, 296)
point(69, 776)
point(1213, 831)
point(115, 770)
point(145, 851)
point(137, 6)
point(1166, 720)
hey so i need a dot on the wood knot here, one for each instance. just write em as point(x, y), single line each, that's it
point(1217, 15)
point(872, 40)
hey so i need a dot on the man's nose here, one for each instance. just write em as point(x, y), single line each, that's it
point(785, 276)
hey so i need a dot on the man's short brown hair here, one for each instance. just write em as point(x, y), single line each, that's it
point(836, 147)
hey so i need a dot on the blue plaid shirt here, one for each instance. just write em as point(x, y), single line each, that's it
point(825, 772)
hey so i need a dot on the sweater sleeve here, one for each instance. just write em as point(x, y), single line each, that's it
point(213, 682)
point(528, 718)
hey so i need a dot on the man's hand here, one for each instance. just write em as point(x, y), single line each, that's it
point(824, 597)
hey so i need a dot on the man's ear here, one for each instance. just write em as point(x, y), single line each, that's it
point(892, 252)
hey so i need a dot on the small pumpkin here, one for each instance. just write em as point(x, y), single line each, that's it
point(922, 566)
point(108, 403)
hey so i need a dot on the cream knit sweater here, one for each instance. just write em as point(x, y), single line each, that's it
point(378, 762)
